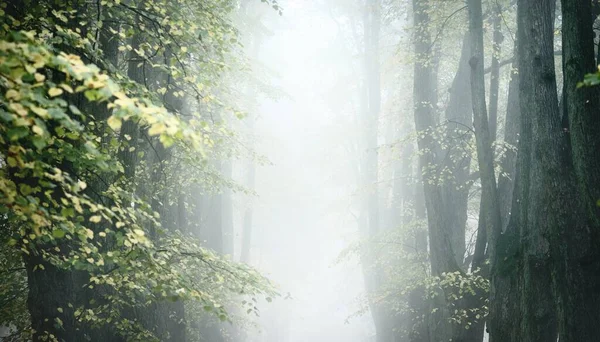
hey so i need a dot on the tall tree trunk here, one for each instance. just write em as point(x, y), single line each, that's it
point(442, 257)
point(577, 276)
point(51, 288)
point(418, 302)
point(506, 179)
point(495, 71)
point(541, 169)
point(374, 275)
point(56, 291)
point(504, 275)
point(457, 163)
point(489, 225)
point(485, 156)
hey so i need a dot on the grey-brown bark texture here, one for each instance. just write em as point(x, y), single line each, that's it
point(508, 164)
point(495, 70)
point(485, 157)
point(504, 312)
point(542, 167)
point(539, 105)
point(576, 242)
point(554, 261)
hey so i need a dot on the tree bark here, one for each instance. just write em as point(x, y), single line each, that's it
point(576, 241)
point(541, 167)
point(506, 180)
point(495, 72)
point(489, 225)
point(504, 277)
point(485, 156)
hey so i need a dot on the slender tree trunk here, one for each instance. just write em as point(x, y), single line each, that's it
point(457, 162)
point(485, 156)
point(442, 257)
point(504, 275)
point(490, 226)
point(495, 71)
point(374, 275)
point(418, 302)
point(506, 180)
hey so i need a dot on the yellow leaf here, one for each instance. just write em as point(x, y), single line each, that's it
point(39, 77)
point(89, 233)
point(82, 185)
point(41, 112)
point(95, 218)
point(139, 232)
point(114, 122)
point(37, 130)
point(67, 88)
point(55, 92)
point(13, 94)
point(18, 108)
point(157, 128)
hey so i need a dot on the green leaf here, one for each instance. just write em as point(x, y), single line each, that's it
point(58, 233)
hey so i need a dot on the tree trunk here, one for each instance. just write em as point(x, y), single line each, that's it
point(541, 170)
point(485, 156)
point(504, 315)
point(457, 163)
point(495, 71)
point(374, 274)
point(506, 179)
point(489, 225)
point(442, 257)
point(576, 242)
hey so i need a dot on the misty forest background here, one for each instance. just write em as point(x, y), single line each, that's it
point(295, 170)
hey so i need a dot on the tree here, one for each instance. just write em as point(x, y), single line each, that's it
point(96, 161)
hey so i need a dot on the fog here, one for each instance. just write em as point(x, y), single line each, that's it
point(302, 212)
